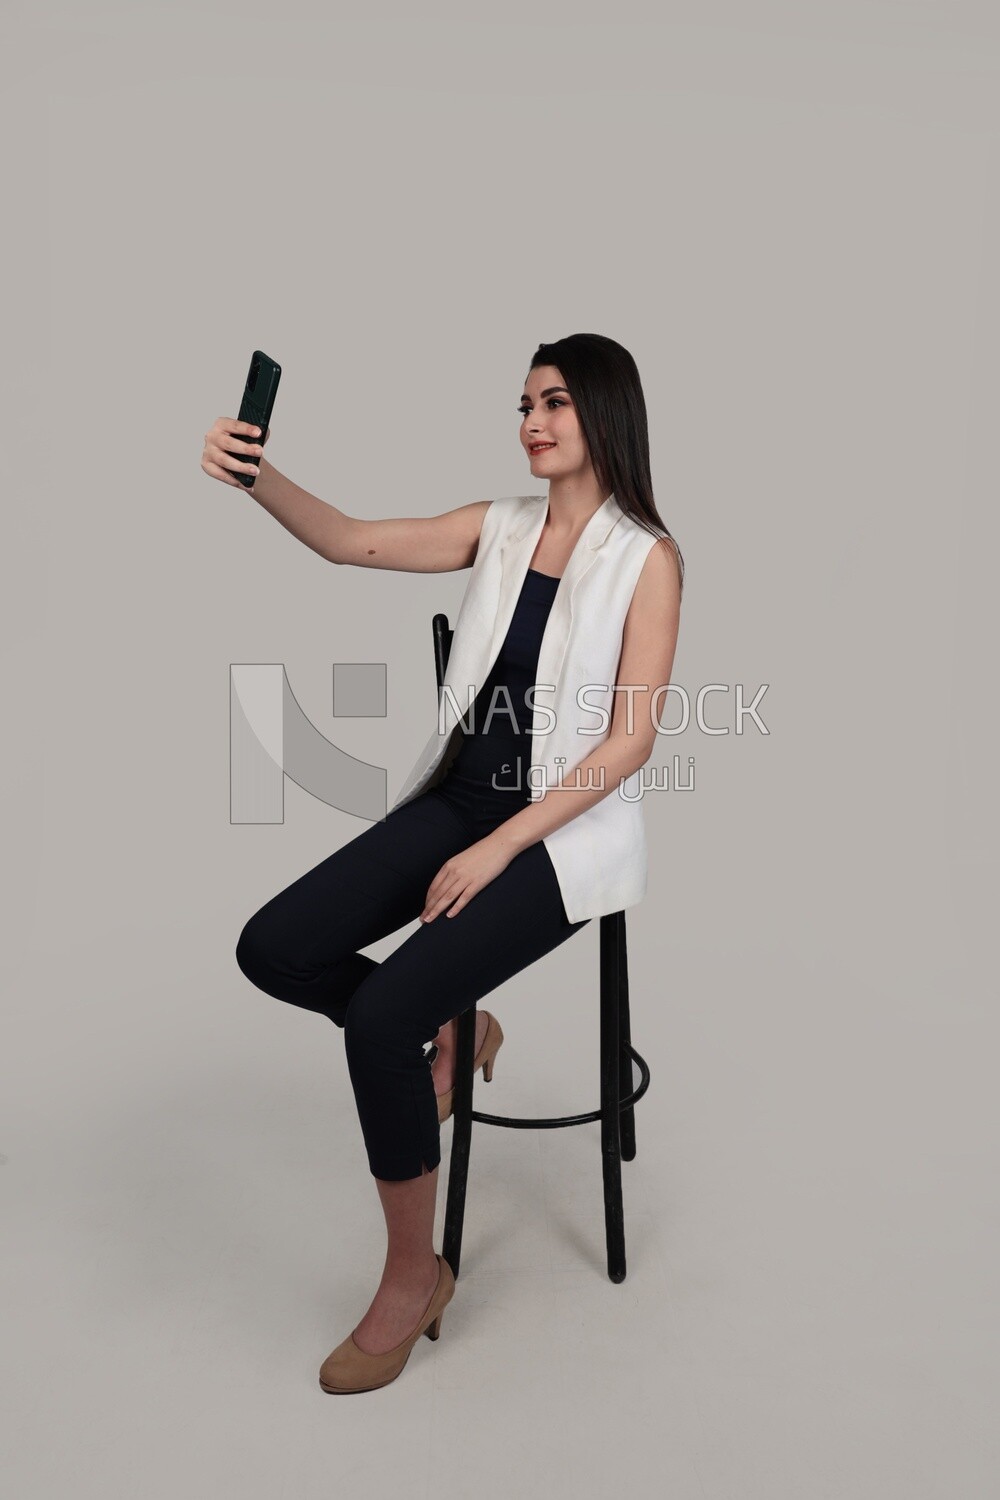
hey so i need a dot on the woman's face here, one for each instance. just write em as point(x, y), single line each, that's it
point(550, 417)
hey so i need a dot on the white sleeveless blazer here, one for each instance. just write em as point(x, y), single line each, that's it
point(599, 856)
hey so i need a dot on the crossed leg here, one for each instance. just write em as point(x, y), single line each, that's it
point(301, 947)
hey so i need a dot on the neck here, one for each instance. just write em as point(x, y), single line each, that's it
point(572, 502)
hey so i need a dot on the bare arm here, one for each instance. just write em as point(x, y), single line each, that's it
point(417, 544)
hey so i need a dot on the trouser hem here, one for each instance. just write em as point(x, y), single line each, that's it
point(398, 1169)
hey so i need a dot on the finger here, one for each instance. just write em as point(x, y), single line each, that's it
point(443, 878)
point(217, 473)
point(461, 898)
point(231, 429)
point(471, 891)
point(439, 902)
point(432, 908)
point(236, 464)
point(429, 900)
point(241, 445)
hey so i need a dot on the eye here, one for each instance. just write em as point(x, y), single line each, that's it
point(553, 400)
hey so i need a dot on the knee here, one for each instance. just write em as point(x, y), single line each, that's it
point(254, 953)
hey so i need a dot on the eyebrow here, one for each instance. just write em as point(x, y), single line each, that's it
point(547, 392)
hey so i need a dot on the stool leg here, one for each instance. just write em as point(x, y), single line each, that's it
point(614, 1217)
point(625, 1049)
point(461, 1139)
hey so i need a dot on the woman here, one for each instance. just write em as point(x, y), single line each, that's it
point(584, 578)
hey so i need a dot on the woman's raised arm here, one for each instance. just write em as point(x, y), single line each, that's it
point(409, 544)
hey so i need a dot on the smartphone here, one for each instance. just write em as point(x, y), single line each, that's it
point(258, 401)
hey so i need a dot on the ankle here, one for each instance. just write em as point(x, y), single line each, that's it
point(445, 1039)
point(411, 1271)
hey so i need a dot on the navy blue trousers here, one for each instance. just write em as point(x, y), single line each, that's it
point(302, 947)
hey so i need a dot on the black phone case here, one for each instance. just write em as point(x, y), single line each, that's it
point(258, 401)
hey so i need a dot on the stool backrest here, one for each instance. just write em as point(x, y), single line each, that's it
point(442, 645)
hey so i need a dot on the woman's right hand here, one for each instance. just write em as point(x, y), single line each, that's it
point(233, 447)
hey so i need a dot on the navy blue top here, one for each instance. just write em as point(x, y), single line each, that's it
point(491, 746)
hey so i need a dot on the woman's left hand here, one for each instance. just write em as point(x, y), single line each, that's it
point(463, 875)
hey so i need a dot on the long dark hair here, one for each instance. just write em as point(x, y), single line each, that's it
point(603, 380)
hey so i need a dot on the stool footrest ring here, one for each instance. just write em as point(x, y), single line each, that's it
point(559, 1120)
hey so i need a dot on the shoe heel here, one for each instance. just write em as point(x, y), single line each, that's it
point(488, 1069)
point(433, 1331)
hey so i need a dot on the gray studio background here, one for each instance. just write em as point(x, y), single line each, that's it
point(789, 214)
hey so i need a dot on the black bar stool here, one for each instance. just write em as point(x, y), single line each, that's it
point(617, 1055)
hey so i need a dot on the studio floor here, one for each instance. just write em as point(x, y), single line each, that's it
point(191, 1229)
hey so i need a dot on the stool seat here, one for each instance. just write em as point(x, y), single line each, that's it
point(617, 1059)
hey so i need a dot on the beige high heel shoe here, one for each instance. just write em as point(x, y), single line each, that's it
point(348, 1369)
point(484, 1059)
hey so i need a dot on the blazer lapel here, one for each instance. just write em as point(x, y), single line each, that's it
point(470, 663)
point(515, 556)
